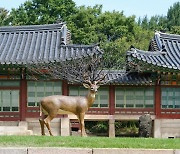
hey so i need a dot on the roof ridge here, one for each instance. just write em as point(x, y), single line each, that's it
point(167, 35)
point(80, 45)
point(158, 52)
point(31, 27)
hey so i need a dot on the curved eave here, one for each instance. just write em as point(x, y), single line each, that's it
point(63, 53)
point(119, 78)
point(157, 60)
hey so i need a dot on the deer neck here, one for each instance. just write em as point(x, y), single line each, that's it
point(91, 98)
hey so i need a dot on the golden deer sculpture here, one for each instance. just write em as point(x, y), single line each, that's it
point(78, 105)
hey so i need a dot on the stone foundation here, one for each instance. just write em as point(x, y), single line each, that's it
point(163, 128)
point(167, 128)
point(33, 124)
point(15, 128)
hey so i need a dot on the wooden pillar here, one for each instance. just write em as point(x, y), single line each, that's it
point(111, 99)
point(65, 90)
point(65, 121)
point(111, 111)
point(23, 99)
point(157, 100)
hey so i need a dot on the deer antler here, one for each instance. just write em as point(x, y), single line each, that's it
point(86, 79)
point(100, 79)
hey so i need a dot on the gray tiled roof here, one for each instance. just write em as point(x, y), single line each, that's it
point(39, 43)
point(132, 78)
point(166, 55)
point(68, 52)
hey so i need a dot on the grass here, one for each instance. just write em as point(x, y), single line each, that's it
point(88, 142)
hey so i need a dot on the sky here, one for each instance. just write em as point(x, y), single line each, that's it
point(139, 8)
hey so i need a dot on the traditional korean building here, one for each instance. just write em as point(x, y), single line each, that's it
point(152, 87)
point(163, 62)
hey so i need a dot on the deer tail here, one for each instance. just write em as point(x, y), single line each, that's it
point(40, 110)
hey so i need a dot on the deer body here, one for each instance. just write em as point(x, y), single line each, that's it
point(59, 104)
point(69, 104)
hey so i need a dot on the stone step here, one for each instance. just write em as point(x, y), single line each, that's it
point(14, 130)
point(21, 129)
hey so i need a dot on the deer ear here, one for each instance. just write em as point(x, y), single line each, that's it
point(86, 85)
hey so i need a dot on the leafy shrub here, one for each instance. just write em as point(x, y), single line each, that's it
point(97, 127)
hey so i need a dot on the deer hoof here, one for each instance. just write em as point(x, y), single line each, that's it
point(84, 135)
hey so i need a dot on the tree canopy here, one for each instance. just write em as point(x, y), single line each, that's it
point(170, 22)
point(41, 12)
point(3, 17)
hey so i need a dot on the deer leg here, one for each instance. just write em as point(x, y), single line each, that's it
point(81, 121)
point(41, 121)
point(47, 123)
point(42, 126)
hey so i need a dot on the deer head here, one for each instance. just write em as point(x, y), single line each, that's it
point(93, 87)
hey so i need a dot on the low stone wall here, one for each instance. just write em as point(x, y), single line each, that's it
point(167, 128)
point(52, 150)
point(18, 128)
point(33, 124)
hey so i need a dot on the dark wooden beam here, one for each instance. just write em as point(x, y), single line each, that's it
point(111, 99)
point(23, 99)
point(65, 88)
point(157, 100)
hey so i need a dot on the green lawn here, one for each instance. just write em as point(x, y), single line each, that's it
point(88, 142)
